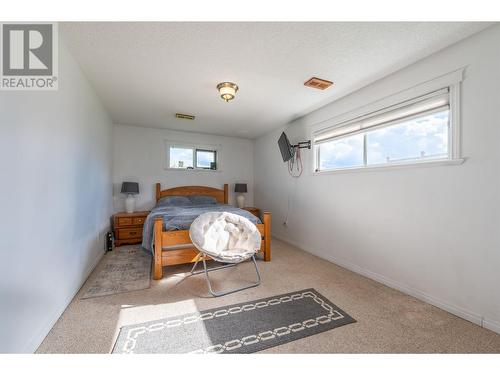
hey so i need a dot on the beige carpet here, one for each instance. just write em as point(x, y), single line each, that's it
point(387, 321)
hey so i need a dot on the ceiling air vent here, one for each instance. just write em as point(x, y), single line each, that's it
point(318, 83)
point(184, 116)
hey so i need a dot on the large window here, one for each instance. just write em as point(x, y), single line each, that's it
point(415, 130)
point(340, 153)
point(191, 157)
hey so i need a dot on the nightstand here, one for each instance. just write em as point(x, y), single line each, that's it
point(127, 228)
point(253, 210)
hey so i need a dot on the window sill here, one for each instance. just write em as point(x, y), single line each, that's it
point(427, 163)
point(192, 170)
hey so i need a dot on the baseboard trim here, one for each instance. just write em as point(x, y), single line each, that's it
point(38, 338)
point(491, 325)
point(438, 302)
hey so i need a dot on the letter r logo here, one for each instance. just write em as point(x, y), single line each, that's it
point(27, 49)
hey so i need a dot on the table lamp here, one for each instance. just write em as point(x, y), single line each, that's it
point(240, 188)
point(130, 188)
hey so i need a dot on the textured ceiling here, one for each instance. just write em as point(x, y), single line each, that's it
point(146, 72)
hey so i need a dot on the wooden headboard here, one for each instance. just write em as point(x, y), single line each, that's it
point(220, 194)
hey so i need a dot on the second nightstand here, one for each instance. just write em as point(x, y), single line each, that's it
point(253, 210)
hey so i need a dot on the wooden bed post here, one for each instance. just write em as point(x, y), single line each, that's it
point(157, 250)
point(267, 236)
point(226, 190)
point(158, 191)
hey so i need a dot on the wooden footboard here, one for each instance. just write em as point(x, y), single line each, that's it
point(188, 253)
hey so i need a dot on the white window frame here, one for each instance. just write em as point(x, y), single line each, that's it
point(452, 81)
point(202, 147)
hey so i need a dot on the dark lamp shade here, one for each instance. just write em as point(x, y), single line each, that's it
point(240, 188)
point(130, 188)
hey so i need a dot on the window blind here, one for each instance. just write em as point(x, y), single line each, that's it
point(433, 102)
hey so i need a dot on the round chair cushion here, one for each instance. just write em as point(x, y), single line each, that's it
point(224, 236)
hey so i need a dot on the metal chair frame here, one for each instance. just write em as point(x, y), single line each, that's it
point(202, 256)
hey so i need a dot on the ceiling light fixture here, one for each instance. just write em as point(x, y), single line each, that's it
point(227, 90)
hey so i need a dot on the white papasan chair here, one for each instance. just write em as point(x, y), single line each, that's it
point(226, 238)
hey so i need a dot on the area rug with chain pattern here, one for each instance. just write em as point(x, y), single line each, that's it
point(241, 328)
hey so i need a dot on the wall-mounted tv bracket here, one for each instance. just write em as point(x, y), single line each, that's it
point(304, 144)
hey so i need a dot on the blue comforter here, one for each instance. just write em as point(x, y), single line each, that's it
point(181, 217)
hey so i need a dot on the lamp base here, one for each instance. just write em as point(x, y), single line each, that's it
point(130, 204)
point(240, 199)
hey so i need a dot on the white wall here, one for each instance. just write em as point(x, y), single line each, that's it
point(56, 199)
point(430, 231)
point(139, 155)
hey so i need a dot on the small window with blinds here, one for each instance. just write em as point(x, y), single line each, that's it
point(416, 130)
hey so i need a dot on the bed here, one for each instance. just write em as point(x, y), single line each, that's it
point(166, 229)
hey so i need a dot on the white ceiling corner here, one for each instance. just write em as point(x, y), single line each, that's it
point(146, 72)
